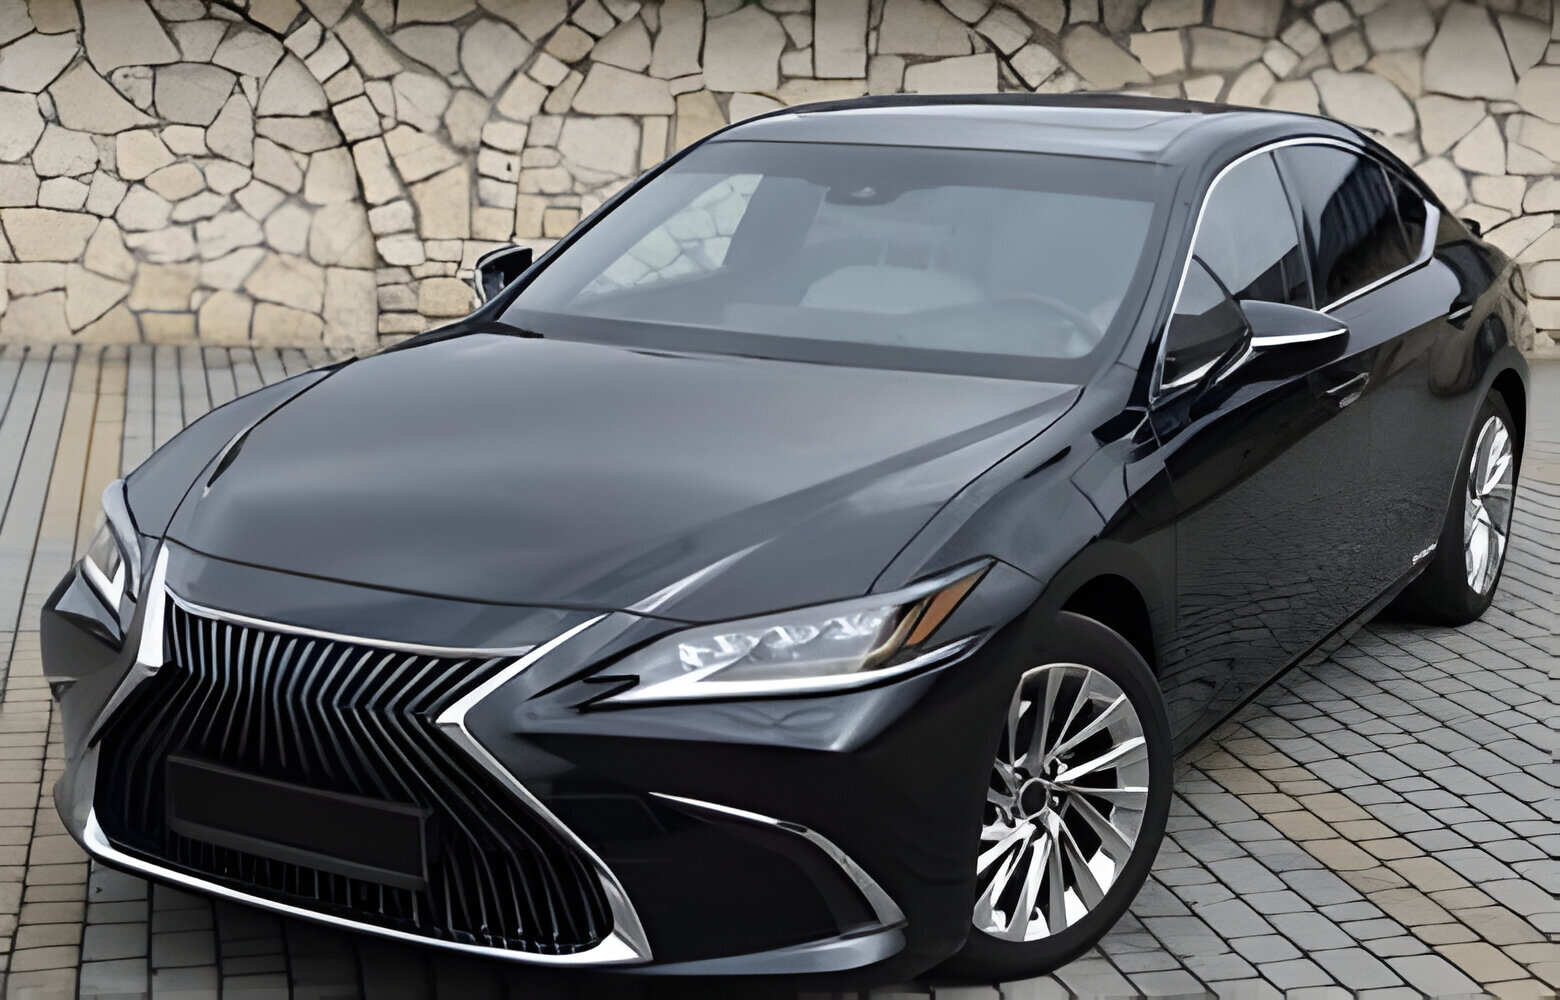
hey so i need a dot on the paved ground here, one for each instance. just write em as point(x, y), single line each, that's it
point(1379, 823)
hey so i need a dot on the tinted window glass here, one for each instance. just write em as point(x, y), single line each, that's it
point(1247, 236)
point(1411, 213)
point(863, 254)
point(1206, 326)
point(1350, 218)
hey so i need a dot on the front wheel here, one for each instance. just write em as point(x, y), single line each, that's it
point(1076, 805)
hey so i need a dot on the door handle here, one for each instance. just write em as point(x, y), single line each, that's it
point(1347, 392)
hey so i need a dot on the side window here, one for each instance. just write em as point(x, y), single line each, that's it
point(1412, 213)
point(1247, 236)
point(1351, 221)
point(1206, 326)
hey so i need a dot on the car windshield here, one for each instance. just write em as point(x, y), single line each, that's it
point(990, 262)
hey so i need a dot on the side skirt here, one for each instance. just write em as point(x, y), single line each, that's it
point(1320, 651)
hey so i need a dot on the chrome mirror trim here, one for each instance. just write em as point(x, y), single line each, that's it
point(1267, 343)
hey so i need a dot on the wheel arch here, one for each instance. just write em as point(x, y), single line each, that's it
point(1117, 586)
point(1511, 389)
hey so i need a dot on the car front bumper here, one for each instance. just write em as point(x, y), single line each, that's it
point(792, 836)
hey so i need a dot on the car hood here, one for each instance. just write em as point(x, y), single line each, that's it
point(503, 469)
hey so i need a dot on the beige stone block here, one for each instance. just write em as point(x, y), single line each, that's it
point(288, 280)
point(444, 205)
point(1160, 52)
point(124, 33)
point(444, 297)
point(1467, 57)
point(919, 27)
point(88, 295)
point(85, 101)
point(331, 177)
point(117, 326)
point(351, 310)
point(163, 287)
point(35, 318)
point(741, 54)
point(177, 181)
point(608, 90)
point(46, 234)
point(281, 326)
point(224, 318)
point(626, 46)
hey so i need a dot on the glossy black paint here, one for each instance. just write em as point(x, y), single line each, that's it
point(477, 488)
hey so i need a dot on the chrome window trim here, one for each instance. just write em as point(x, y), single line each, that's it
point(626, 942)
point(1157, 390)
point(883, 906)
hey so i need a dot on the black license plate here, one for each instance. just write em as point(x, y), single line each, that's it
point(347, 835)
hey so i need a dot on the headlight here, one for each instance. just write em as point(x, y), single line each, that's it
point(112, 562)
point(826, 648)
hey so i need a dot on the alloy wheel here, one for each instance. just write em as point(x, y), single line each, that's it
point(1487, 511)
point(1065, 803)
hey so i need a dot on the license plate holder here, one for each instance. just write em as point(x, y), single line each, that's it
point(361, 838)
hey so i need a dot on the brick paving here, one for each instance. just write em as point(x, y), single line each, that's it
point(1379, 823)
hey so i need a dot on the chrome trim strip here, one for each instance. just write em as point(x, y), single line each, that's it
point(1432, 222)
point(611, 950)
point(883, 906)
point(1286, 339)
point(1456, 315)
point(625, 943)
point(149, 656)
point(626, 926)
point(457, 652)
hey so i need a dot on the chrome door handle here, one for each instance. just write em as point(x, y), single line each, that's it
point(1347, 392)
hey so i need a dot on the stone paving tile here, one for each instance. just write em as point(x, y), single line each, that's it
point(1377, 824)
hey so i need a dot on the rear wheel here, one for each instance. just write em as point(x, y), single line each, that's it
point(1458, 583)
point(1076, 804)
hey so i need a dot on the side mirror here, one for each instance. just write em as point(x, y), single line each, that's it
point(1275, 326)
point(497, 268)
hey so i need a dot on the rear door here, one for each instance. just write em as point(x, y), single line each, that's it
point(1367, 231)
point(1267, 472)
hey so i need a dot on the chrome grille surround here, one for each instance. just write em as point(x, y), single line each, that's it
point(371, 723)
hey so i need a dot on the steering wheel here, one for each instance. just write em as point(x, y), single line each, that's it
point(1079, 319)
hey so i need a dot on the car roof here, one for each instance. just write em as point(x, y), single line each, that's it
point(1128, 127)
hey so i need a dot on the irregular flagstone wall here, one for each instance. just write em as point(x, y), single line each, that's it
point(325, 172)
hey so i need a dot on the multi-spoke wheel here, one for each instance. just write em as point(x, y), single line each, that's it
point(1065, 804)
point(1459, 581)
point(1075, 803)
point(1492, 484)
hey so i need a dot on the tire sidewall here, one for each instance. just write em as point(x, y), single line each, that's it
point(1073, 638)
point(1449, 569)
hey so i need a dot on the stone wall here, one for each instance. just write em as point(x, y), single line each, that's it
point(325, 172)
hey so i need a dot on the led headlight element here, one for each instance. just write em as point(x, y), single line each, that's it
point(112, 562)
point(826, 648)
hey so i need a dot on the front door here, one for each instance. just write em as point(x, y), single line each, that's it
point(1268, 472)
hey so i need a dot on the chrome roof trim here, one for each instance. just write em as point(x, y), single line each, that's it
point(883, 906)
point(1432, 222)
point(614, 949)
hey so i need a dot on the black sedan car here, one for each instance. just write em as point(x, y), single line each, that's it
point(813, 562)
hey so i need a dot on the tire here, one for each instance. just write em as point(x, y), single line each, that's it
point(1074, 649)
point(1444, 593)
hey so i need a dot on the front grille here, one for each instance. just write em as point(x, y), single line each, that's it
point(359, 720)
